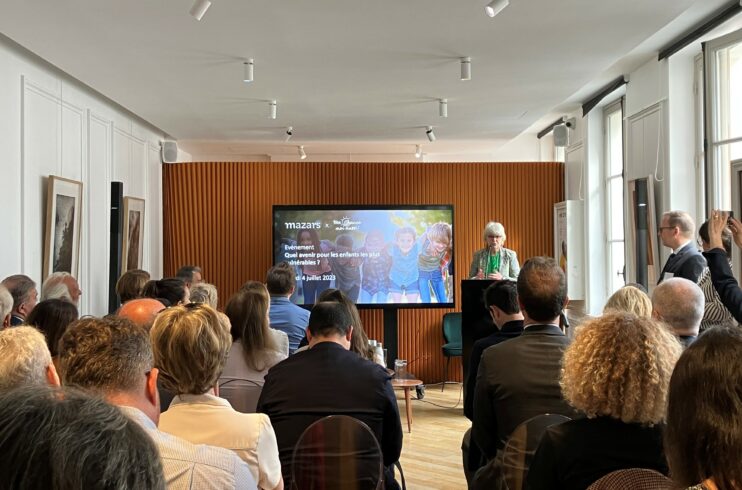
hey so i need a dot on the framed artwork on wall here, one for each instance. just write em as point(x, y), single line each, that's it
point(132, 250)
point(63, 221)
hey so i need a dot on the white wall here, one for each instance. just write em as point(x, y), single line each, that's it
point(51, 124)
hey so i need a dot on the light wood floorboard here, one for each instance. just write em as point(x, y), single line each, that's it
point(431, 454)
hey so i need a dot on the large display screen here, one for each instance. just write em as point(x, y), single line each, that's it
point(390, 256)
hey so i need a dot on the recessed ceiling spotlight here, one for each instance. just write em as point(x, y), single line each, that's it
point(289, 133)
point(249, 66)
point(466, 68)
point(273, 109)
point(199, 9)
point(302, 153)
point(418, 151)
point(430, 134)
point(443, 107)
point(496, 6)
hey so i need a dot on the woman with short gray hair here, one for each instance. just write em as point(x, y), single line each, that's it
point(494, 261)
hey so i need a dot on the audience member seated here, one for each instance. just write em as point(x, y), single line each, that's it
point(141, 311)
point(679, 303)
point(25, 297)
point(714, 313)
point(721, 273)
point(359, 341)
point(629, 299)
point(328, 379)
point(190, 275)
point(25, 359)
point(6, 307)
point(65, 439)
point(170, 292)
point(519, 378)
point(52, 317)
point(131, 284)
point(284, 315)
point(255, 346)
point(61, 285)
point(703, 439)
point(111, 357)
point(616, 373)
point(190, 347)
point(501, 301)
point(204, 292)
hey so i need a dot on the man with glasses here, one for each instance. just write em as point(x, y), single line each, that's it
point(676, 232)
point(494, 261)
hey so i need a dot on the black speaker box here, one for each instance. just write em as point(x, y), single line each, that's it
point(117, 227)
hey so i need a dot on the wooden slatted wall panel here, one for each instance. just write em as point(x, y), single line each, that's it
point(218, 215)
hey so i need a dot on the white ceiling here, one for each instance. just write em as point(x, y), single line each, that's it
point(347, 71)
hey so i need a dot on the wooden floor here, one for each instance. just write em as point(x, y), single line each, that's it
point(431, 454)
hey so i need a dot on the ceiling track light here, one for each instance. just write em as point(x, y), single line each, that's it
point(199, 9)
point(443, 107)
point(430, 134)
point(273, 109)
point(289, 133)
point(496, 6)
point(249, 70)
point(302, 153)
point(418, 151)
point(466, 68)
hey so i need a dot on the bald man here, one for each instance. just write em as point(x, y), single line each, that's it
point(141, 311)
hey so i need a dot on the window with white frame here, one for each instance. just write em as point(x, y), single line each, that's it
point(614, 195)
point(723, 60)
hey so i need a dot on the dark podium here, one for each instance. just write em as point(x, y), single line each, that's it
point(476, 321)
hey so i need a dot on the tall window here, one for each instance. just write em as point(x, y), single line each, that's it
point(614, 195)
point(724, 117)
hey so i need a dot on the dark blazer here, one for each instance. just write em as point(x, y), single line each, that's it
point(518, 379)
point(724, 282)
point(508, 331)
point(687, 263)
point(330, 380)
point(575, 454)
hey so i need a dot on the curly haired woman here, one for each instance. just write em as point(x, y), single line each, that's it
point(616, 372)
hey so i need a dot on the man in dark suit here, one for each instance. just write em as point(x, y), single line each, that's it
point(329, 379)
point(676, 232)
point(519, 378)
point(501, 300)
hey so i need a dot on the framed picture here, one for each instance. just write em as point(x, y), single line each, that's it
point(133, 244)
point(63, 221)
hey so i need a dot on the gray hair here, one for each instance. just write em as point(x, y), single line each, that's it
point(54, 287)
point(679, 303)
point(66, 439)
point(682, 220)
point(24, 358)
point(6, 302)
point(204, 293)
point(493, 228)
point(20, 287)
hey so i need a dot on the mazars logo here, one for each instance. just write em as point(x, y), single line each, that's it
point(304, 226)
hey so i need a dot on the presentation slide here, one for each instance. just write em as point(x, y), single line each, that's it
point(380, 257)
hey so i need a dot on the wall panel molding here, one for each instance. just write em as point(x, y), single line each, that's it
point(218, 215)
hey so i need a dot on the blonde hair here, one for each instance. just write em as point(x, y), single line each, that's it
point(190, 347)
point(629, 299)
point(619, 365)
point(204, 292)
point(440, 232)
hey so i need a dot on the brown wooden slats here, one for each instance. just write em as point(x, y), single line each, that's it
point(218, 215)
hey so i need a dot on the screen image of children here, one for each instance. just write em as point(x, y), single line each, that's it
point(315, 277)
point(346, 266)
point(435, 253)
point(404, 272)
point(376, 266)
